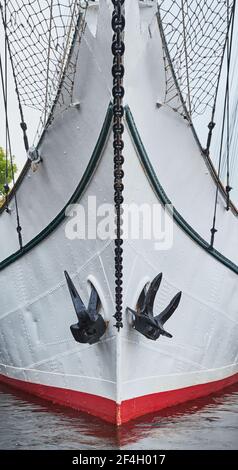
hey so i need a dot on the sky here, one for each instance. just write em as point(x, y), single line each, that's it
point(32, 117)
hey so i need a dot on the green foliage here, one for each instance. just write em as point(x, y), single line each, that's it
point(3, 171)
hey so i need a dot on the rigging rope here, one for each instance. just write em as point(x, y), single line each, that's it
point(211, 125)
point(195, 33)
point(18, 228)
point(48, 62)
point(186, 59)
point(213, 229)
point(6, 187)
point(229, 49)
point(22, 124)
point(20, 32)
point(225, 118)
point(39, 52)
point(228, 188)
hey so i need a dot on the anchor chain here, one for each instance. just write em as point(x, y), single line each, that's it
point(118, 49)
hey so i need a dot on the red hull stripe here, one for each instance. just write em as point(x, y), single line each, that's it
point(158, 401)
point(111, 412)
point(92, 404)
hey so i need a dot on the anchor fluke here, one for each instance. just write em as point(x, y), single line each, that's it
point(152, 291)
point(91, 325)
point(144, 320)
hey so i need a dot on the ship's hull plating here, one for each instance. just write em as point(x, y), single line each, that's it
point(118, 413)
point(124, 375)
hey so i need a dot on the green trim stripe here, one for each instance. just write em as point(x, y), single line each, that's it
point(97, 153)
point(164, 198)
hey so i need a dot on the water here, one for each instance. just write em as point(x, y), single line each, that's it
point(30, 423)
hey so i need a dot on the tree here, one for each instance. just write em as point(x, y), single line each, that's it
point(3, 179)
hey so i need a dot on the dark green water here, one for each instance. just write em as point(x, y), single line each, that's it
point(29, 423)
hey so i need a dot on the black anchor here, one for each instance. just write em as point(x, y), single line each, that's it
point(91, 325)
point(144, 321)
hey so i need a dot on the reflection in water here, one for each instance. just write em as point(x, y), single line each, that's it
point(30, 423)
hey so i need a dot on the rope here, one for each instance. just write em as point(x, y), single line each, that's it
point(211, 125)
point(195, 33)
point(48, 62)
point(40, 52)
point(229, 49)
point(18, 228)
point(225, 117)
point(22, 124)
point(6, 187)
point(186, 59)
point(228, 188)
point(118, 48)
point(213, 229)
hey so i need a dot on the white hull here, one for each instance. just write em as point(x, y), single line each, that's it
point(38, 352)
